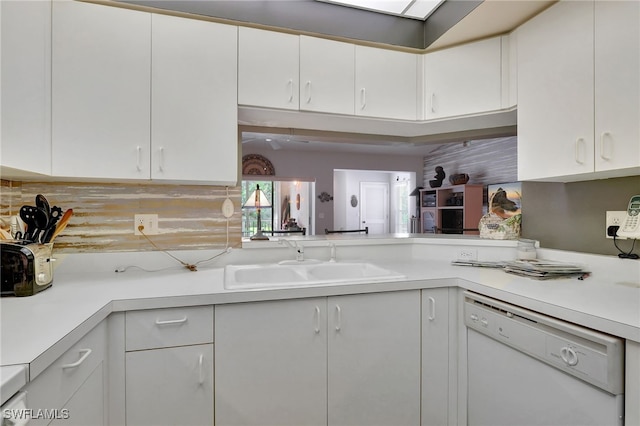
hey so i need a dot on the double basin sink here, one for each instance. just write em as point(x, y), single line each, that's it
point(305, 273)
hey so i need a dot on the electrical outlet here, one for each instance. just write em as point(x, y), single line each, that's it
point(614, 218)
point(148, 221)
point(468, 254)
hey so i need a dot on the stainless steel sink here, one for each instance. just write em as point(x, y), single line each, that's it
point(302, 274)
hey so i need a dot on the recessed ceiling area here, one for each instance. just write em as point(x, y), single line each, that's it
point(453, 22)
point(416, 9)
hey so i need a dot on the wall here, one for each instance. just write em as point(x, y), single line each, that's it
point(485, 161)
point(564, 216)
point(189, 216)
point(319, 166)
point(571, 216)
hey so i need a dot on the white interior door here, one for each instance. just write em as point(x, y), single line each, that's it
point(374, 206)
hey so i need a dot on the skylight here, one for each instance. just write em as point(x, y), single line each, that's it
point(416, 9)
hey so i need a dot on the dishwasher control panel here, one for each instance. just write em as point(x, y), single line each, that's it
point(594, 357)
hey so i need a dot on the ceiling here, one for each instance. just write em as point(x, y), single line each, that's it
point(491, 17)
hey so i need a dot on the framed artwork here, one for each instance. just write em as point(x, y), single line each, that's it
point(505, 199)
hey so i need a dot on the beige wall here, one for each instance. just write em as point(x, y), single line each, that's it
point(571, 216)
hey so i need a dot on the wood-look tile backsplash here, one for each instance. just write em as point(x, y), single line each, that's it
point(189, 216)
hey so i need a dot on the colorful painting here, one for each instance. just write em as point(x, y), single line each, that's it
point(505, 199)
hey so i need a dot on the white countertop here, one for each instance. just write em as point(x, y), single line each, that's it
point(36, 330)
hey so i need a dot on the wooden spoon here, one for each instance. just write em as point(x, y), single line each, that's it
point(61, 224)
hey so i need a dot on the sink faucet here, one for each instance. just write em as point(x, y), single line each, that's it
point(299, 249)
point(332, 258)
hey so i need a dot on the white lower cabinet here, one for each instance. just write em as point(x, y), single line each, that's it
point(170, 386)
point(374, 359)
point(340, 360)
point(271, 363)
point(86, 406)
point(169, 366)
point(437, 361)
point(72, 390)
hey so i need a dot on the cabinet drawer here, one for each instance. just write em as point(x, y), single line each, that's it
point(53, 388)
point(159, 328)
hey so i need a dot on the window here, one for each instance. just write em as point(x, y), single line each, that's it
point(250, 215)
point(292, 206)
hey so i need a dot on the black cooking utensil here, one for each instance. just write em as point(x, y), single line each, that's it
point(36, 220)
point(43, 203)
point(54, 217)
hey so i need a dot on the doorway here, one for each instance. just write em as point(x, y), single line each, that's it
point(390, 216)
point(374, 207)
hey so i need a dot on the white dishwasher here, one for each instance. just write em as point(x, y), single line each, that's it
point(525, 368)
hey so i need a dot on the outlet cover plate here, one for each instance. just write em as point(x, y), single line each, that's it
point(468, 254)
point(149, 221)
point(615, 218)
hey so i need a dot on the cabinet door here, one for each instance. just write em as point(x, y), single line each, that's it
point(374, 359)
point(386, 83)
point(327, 75)
point(25, 87)
point(271, 363)
point(194, 101)
point(170, 386)
point(101, 91)
point(617, 85)
point(555, 92)
point(268, 68)
point(464, 79)
point(435, 356)
point(86, 406)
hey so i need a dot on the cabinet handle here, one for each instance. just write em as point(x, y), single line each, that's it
point(432, 309)
point(290, 84)
point(317, 329)
point(138, 158)
point(338, 318)
point(433, 102)
point(308, 90)
point(201, 369)
point(85, 352)
point(603, 137)
point(577, 154)
point(171, 322)
point(363, 98)
point(161, 164)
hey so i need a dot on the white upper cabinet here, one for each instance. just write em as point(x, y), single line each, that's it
point(25, 87)
point(101, 91)
point(555, 92)
point(194, 133)
point(268, 69)
point(561, 100)
point(327, 75)
point(464, 79)
point(386, 83)
point(617, 86)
